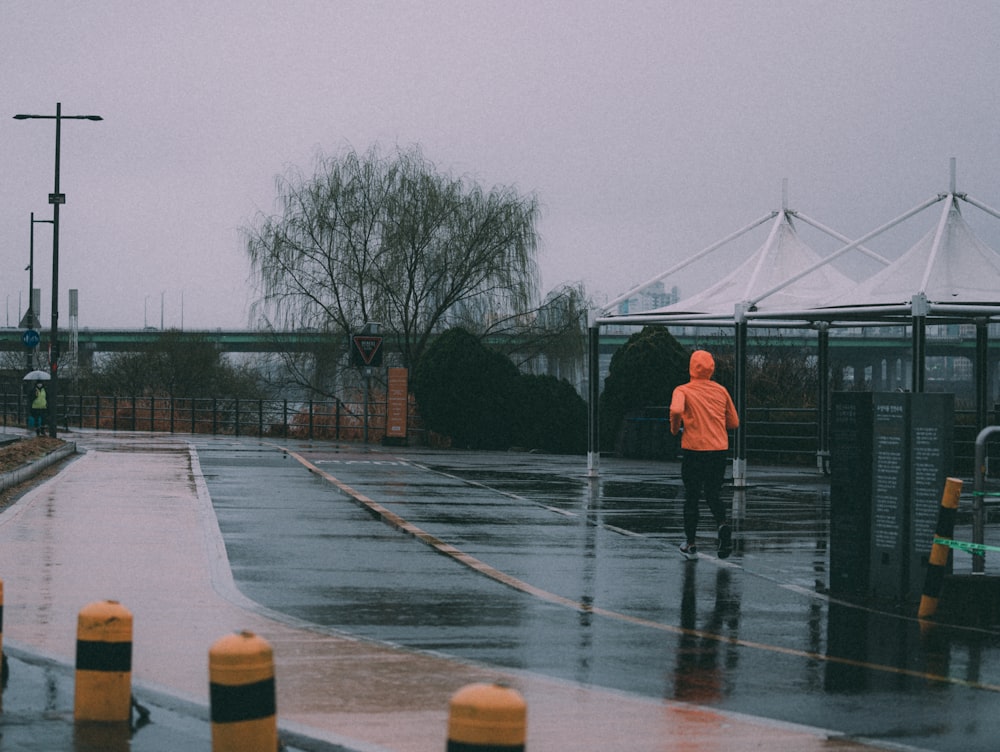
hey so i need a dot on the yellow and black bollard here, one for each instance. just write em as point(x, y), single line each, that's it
point(937, 563)
point(487, 718)
point(103, 663)
point(241, 690)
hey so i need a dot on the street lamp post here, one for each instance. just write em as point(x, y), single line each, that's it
point(29, 317)
point(56, 199)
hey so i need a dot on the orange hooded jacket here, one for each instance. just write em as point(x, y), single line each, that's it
point(703, 407)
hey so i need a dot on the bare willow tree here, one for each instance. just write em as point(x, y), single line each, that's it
point(389, 239)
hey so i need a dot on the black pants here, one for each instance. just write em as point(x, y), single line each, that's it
point(702, 472)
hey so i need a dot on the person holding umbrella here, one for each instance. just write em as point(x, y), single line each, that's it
point(39, 406)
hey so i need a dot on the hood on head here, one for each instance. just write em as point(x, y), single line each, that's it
point(702, 364)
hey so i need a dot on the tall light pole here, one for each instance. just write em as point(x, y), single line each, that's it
point(31, 315)
point(56, 199)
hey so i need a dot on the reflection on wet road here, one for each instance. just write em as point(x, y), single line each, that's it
point(520, 561)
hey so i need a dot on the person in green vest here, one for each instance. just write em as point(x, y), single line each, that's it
point(39, 407)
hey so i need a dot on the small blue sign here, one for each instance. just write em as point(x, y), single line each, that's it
point(30, 338)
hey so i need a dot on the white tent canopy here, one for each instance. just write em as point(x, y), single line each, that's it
point(949, 265)
point(760, 281)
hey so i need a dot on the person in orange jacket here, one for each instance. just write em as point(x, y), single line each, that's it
point(706, 413)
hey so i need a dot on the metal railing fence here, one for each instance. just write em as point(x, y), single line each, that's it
point(775, 435)
point(308, 419)
point(783, 436)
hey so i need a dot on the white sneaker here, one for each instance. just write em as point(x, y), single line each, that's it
point(689, 551)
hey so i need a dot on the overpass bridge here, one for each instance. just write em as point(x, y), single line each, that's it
point(89, 342)
point(248, 340)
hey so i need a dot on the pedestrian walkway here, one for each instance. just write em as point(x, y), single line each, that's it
point(130, 520)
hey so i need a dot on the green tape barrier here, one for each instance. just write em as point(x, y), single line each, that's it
point(971, 548)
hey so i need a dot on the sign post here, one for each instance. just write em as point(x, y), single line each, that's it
point(367, 354)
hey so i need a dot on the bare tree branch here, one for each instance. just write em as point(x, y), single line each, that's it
point(389, 239)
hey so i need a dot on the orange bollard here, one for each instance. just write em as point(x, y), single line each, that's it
point(103, 663)
point(241, 690)
point(487, 718)
point(937, 562)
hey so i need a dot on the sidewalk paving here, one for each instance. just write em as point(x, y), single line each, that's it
point(130, 520)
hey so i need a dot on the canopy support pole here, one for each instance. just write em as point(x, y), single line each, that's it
point(740, 397)
point(919, 309)
point(593, 398)
point(982, 373)
point(823, 398)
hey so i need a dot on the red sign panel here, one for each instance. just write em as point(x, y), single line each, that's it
point(395, 425)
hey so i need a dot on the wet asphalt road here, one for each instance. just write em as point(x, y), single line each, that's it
point(582, 581)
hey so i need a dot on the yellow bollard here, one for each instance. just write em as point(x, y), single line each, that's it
point(937, 562)
point(241, 690)
point(103, 663)
point(487, 718)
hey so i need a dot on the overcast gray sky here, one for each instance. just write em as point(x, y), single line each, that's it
point(648, 130)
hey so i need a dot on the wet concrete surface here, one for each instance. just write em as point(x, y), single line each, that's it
point(102, 527)
point(516, 564)
point(519, 561)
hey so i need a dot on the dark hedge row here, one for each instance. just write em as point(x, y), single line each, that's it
point(477, 397)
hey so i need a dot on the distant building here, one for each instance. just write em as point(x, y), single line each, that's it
point(649, 298)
